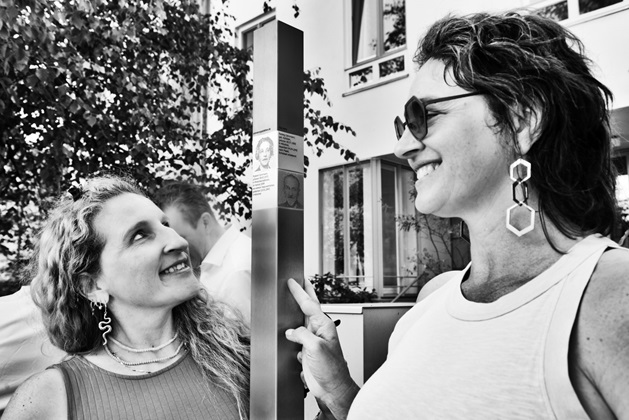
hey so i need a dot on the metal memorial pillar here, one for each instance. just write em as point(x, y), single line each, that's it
point(277, 231)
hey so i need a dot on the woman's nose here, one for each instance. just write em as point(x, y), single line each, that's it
point(407, 145)
point(174, 242)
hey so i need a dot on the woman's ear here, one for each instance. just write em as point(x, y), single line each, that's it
point(91, 290)
point(526, 123)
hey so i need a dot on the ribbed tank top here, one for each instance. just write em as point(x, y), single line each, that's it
point(178, 391)
point(450, 358)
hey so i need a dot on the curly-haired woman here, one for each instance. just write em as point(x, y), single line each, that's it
point(117, 293)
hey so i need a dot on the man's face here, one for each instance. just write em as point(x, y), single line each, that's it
point(194, 234)
point(291, 189)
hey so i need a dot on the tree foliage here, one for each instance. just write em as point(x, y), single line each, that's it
point(117, 86)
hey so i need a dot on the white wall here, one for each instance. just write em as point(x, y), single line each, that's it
point(606, 40)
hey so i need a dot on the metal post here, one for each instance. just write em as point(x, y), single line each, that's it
point(277, 231)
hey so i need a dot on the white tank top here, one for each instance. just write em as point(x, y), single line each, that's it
point(450, 358)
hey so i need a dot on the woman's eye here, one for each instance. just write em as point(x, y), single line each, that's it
point(138, 235)
point(166, 224)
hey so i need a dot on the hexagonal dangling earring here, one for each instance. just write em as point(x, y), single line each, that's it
point(520, 182)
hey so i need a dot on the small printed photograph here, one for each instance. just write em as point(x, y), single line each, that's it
point(263, 154)
point(290, 191)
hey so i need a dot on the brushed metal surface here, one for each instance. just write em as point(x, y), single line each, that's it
point(277, 233)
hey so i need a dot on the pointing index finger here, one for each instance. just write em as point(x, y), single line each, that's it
point(309, 305)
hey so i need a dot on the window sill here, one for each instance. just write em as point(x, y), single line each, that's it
point(372, 85)
point(384, 57)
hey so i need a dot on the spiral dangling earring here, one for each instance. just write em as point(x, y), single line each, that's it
point(520, 182)
point(105, 324)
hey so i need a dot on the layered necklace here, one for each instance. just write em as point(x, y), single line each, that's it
point(130, 365)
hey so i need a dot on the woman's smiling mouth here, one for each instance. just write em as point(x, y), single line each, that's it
point(175, 268)
point(426, 170)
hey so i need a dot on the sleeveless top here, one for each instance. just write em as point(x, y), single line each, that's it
point(178, 391)
point(450, 358)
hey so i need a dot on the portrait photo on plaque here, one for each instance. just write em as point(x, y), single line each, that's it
point(290, 191)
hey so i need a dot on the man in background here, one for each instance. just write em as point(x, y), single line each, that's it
point(222, 254)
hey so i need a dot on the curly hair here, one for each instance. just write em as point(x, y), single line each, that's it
point(69, 247)
point(529, 64)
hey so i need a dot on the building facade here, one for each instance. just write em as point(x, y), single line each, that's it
point(364, 50)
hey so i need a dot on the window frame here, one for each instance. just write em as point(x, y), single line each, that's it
point(374, 247)
point(251, 25)
point(372, 63)
point(380, 52)
point(574, 17)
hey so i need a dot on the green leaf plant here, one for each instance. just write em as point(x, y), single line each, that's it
point(331, 289)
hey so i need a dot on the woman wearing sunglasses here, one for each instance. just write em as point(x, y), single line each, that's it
point(507, 129)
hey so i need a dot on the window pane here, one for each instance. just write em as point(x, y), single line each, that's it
point(389, 228)
point(394, 65)
point(393, 23)
point(622, 179)
point(586, 6)
point(247, 41)
point(409, 249)
point(356, 223)
point(364, 29)
point(360, 76)
point(333, 222)
point(556, 12)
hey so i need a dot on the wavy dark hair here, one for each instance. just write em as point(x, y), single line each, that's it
point(530, 64)
point(69, 246)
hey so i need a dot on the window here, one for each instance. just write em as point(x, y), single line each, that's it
point(564, 9)
point(245, 31)
point(622, 179)
point(378, 26)
point(344, 214)
point(586, 6)
point(378, 37)
point(360, 238)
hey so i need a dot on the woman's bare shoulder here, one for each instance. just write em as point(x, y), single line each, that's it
point(42, 396)
point(602, 330)
point(608, 290)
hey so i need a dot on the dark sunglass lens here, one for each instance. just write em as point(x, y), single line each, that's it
point(415, 119)
point(399, 127)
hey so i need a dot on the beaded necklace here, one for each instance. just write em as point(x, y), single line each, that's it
point(134, 350)
point(130, 365)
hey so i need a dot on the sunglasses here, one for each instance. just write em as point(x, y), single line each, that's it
point(416, 115)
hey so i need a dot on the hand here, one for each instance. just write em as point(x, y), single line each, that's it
point(325, 370)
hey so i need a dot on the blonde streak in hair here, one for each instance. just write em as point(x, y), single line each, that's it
point(202, 324)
